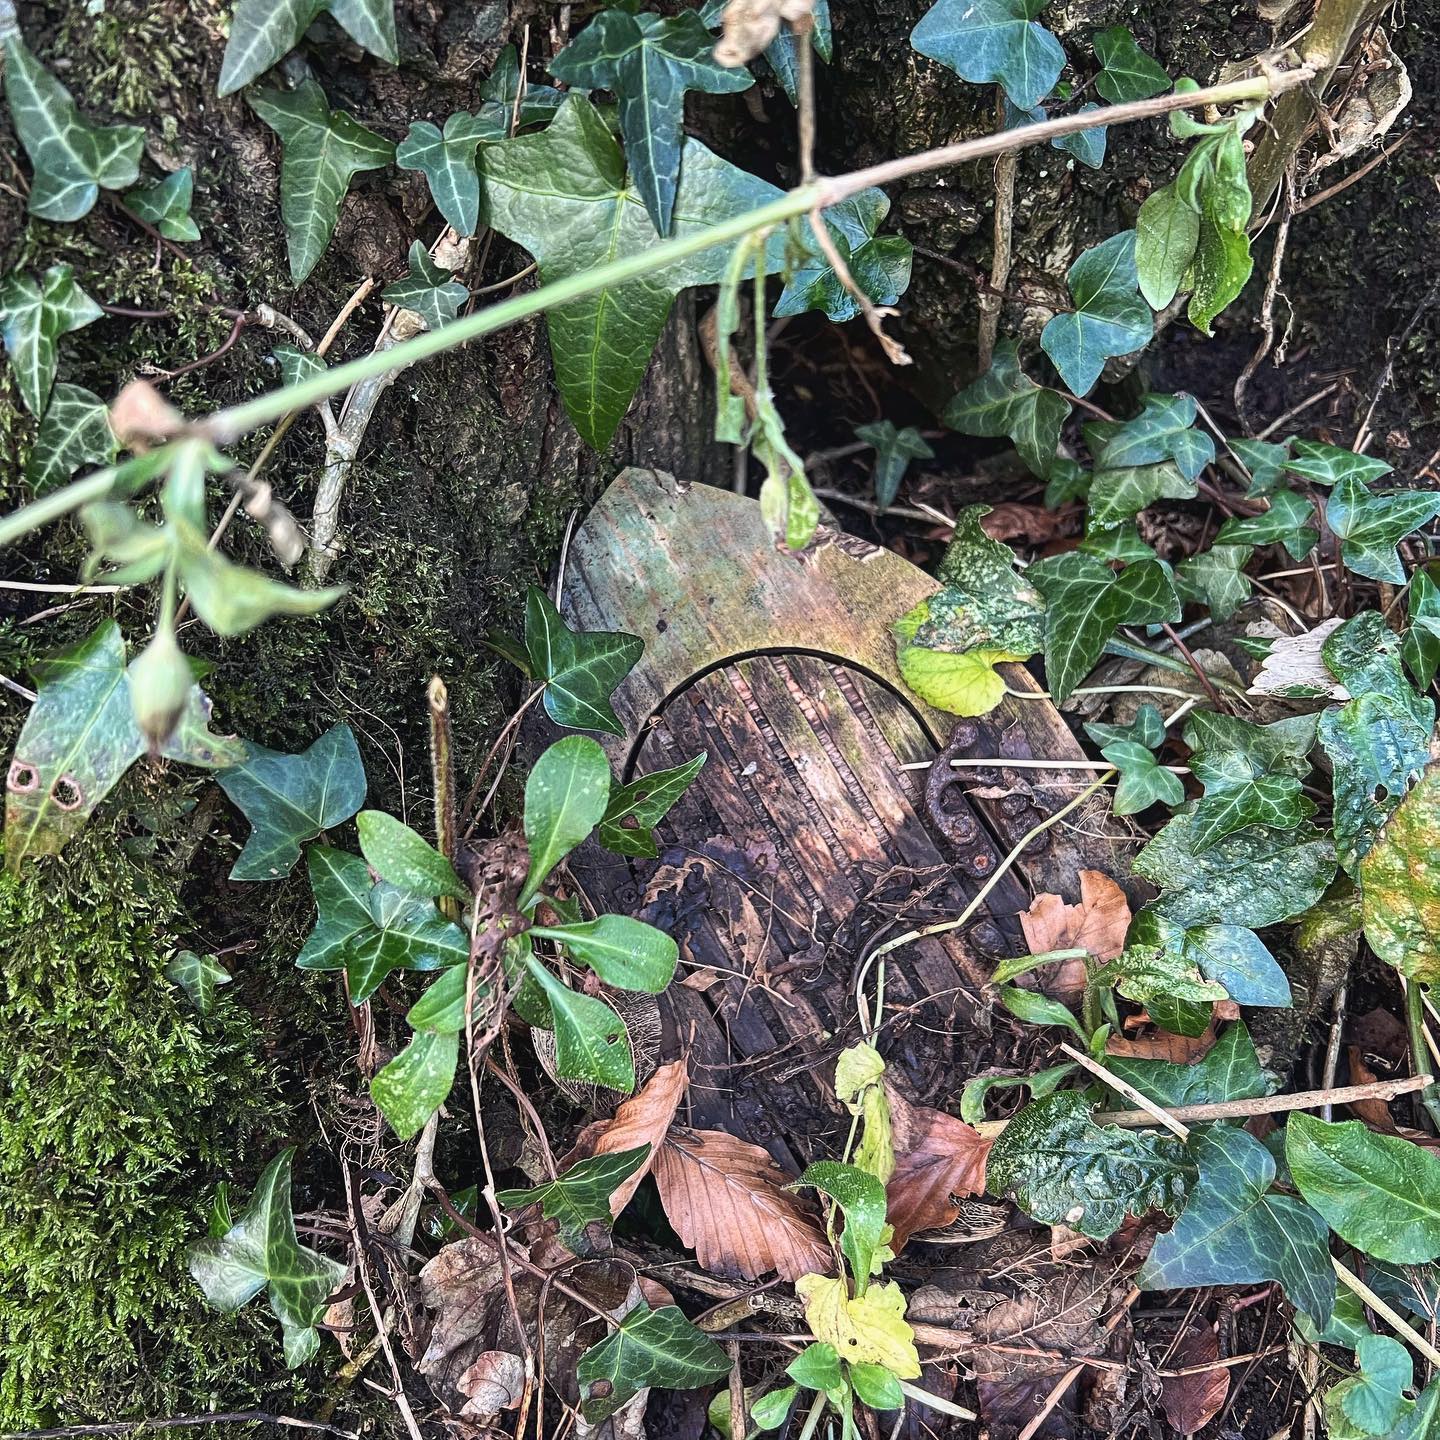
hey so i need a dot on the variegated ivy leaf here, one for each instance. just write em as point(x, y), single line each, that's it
point(33, 317)
point(1329, 464)
point(649, 1348)
point(1128, 73)
point(429, 291)
point(591, 1042)
point(1229, 955)
point(894, 450)
point(1163, 430)
point(879, 264)
point(1062, 1169)
point(1364, 655)
point(1216, 578)
point(263, 32)
point(262, 1252)
point(81, 736)
point(1110, 317)
point(166, 205)
point(198, 976)
point(1005, 401)
point(649, 62)
point(324, 150)
point(1282, 747)
point(1120, 495)
point(581, 1195)
point(447, 160)
point(1370, 525)
point(993, 42)
point(1150, 972)
point(1289, 521)
point(75, 431)
point(634, 810)
point(72, 158)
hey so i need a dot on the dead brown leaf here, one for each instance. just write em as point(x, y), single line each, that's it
point(644, 1119)
point(1374, 1112)
point(1191, 1402)
point(495, 1382)
point(938, 1161)
point(727, 1202)
point(1162, 1045)
point(1097, 924)
point(1009, 520)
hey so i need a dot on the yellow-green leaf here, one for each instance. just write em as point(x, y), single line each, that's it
point(868, 1330)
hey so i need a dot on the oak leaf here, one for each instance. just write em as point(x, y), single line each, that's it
point(938, 1161)
point(727, 1201)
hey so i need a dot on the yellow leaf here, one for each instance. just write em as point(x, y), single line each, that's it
point(875, 1153)
point(868, 1330)
point(1400, 884)
point(962, 684)
point(858, 1067)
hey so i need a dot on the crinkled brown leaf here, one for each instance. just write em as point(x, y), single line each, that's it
point(727, 1201)
point(495, 1382)
point(938, 1161)
point(1400, 884)
point(1097, 924)
point(1191, 1402)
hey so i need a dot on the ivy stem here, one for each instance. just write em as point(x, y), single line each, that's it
point(1419, 1050)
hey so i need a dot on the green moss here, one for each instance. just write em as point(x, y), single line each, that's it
point(118, 1109)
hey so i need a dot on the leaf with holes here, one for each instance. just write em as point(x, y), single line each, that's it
point(289, 799)
point(649, 1348)
point(1005, 401)
point(33, 317)
point(447, 160)
point(993, 42)
point(81, 736)
point(166, 205)
point(578, 668)
point(1166, 235)
point(1163, 430)
point(591, 1042)
point(262, 1252)
point(75, 431)
point(878, 264)
point(565, 798)
point(1128, 73)
point(198, 976)
point(1216, 578)
point(1371, 525)
point(397, 854)
point(628, 825)
point(894, 450)
point(429, 291)
point(73, 159)
point(868, 1329)
point(1062, 1169)
point(324, 150)
point(1110, 317)
point(1230, 1070)
point(649, 62)
point(580, 1195)
point(263, 32)
point(1234, 1232)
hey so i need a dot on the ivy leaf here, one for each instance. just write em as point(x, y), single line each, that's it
point(33, 317)
point(429, 291)
point(1230, 1070)
point(1374, 1401)
point(879, 264)
point(1230, 955)
point(894, 450)
point(1379, 1193)
point(1233, 1232)
point(1364, 655)
point(1147, 729)
point(1163, 430)
point(581, 1194)
point(537, 103)
point(166, 205)
point(1128, 73)
point(324, 150)
point(413, 1086)
point(1237, 797)
point(565, 798)
point(1005, 401)
point(397, 854)
point(1421, 647)
point(649, 1348)
point(1118, 495)
point(447, 160)
point(1282, 746)
point(1265, 460)
point(296, 364)
point(289, 799)
point(262, 1252)
point(1109, 318)
point(1289, 521)
point(1216, 578)
point(1085, 602)
point(81, 736)
point(1148, 972)
point(1143, 780)
point(75, 431)
point(563, 196)
point(1371, 525)
point(649, 62)
point(625, 953)
point(578, 668)
point(1400, 885)
point(1379, 749)
point(73, 159)
point(341, 885)
point(1329, 464)
point(869, 1329)
point(1167, 232)
point(1062, 1169)
point(263, 32)
point(646, 802)
point(404, 933)
point(782, 53)
point(198, 976)
point(993, 42)
point(861, 1198)
point(591, 1042)
point(1087, 146)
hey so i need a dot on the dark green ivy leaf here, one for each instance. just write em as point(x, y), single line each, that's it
point(1005, 401)
point(263, 32)
point(166, 205)
point(1062, 1169)
point(1068, 481)
point(894, 450)
point(993, 42)
point(580, 1195)
point(1128, 73)
point(578, 668)
point(297, 365)
point(1364, 655)
point(33, 317)
point(1234, 1232)
point(1282, 746)
point(1289, 521)
point(1229, 1071)
point(261, 1251)
point(504, 95)
point(404, 933)
point(1421, 648)
point(1265, 460)
point(75, 431)
point(649, 62)
point(1119, 495)
point(646, 802)
point(656, 1348)
point(289, 799)
point(1329, 464)
point(341, 885)
point(1216, 578)
point(1371, 525)
point(447, 160)
point(429, 291)
point(1163, 430)
point(782, 52)
point(1110, 317)
point(878, 264)
point(1143, 780)
point(1087, 146)
point(198, 976)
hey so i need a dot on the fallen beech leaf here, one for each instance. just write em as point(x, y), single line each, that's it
point(1374, 1112)
point(643, 1120)
point(727, 1202)
point(938, 1161)
point(495, 1382)
point(1162, 1045)
point(867, 1330)
point(1191, 1402)
point(1034, 524)
point(1097, 924)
